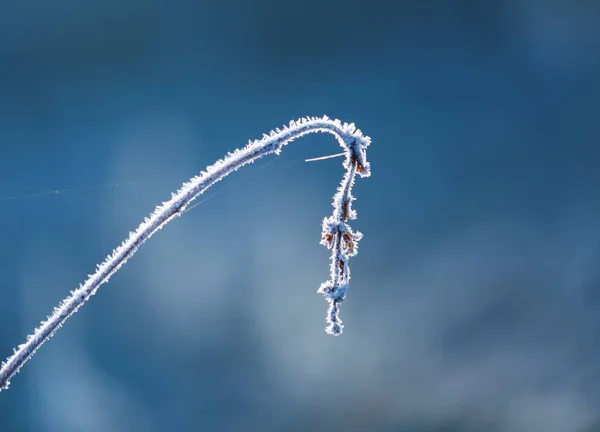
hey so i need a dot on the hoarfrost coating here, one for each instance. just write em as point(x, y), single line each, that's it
point(336, 234)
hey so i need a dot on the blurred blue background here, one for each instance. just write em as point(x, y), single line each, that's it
point(475, 298)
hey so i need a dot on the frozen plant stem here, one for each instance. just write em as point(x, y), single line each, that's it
point(336, 234)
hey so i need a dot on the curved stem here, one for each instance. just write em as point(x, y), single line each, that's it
point(350, 138)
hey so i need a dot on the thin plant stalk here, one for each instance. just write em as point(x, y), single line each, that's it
point(336, 234)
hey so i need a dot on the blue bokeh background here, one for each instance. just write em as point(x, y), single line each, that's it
point(475, 298)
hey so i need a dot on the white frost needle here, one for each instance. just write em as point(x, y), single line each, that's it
point(336, 233)
point(324, 157)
